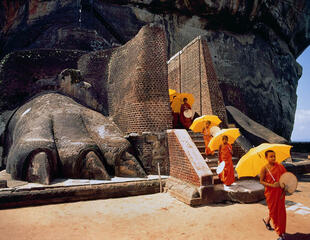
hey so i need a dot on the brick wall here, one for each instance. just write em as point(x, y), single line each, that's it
point(209, 78)
point(151, 149)
point(191, 70)
point(133, 80)
point(186, 162)
point(174, 73)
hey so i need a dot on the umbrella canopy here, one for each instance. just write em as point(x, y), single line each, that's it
point(172, 93)
point(252, 162)
point(200, 123)
point(178, 101)
point(216, 141)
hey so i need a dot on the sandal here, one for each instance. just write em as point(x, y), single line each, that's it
point(268, 226)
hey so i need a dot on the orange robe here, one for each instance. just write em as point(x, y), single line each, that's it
point(228, 175)
point(207, 137)
point(276, 204)
point(186, 122)
point(175, 120)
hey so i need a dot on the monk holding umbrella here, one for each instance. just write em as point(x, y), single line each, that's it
point(222, 141)
point(204, 124)
point(175, 112)
point(183, 103)
point(265, 159)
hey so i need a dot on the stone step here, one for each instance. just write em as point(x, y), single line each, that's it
point(243, 191)
point(191, 133)
point(201, 148)
point(215, 155)
point(199, 144)
point(210, 158)
point(198, 140)
point(197, 137)
point(213, 169)
point(212, 162)
point(213, 158)
point(217, 180)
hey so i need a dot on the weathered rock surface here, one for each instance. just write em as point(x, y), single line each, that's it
point(253, 131)
point(258, 77)
point(24, 74)
point(118, 21)
point(254, 43)
point(53, 135)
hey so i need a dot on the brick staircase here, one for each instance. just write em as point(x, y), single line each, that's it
point(211, 161)
point(193, 179)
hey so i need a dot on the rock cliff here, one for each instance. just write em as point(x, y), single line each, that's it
point(262, 38)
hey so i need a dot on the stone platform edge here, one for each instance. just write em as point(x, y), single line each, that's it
point(213, 194)
point(32, 197)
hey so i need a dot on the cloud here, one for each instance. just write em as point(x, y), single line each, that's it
point(301, 131)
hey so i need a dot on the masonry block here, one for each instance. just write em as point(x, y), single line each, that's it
point(133, 80)
point(192, 70)
point(186, 162)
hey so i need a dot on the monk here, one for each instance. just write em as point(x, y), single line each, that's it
point(207, 137)
point(186, 122)
point(225, 154)
point(275, 197)
point(175, 116)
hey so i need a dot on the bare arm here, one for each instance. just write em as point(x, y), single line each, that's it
point(262, 177)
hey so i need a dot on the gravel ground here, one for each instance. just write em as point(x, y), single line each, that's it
point(157, 216)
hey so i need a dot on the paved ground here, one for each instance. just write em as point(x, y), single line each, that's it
point(19, 185)
point(157, 216)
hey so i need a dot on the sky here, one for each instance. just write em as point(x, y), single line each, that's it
point(301, 131)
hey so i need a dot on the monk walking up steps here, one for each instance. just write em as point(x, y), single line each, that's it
point(275, 195)
point(186, 122)
point(175, 117)
point(225, 154)
point(207, 137)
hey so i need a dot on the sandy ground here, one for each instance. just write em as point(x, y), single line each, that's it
point(157, 216)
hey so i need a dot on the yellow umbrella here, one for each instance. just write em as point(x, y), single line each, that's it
point(200, 123)
point(172, 93)
point(252, 162)
point(216, 141)
point(178, 101)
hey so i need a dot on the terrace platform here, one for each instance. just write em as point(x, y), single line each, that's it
point(21, 194)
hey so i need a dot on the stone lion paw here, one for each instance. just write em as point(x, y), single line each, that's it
point(53, 136)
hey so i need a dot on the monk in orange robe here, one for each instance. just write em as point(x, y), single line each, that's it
point(186, 122)
point(275, 197)
point(207, 137)
point(225, 154)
